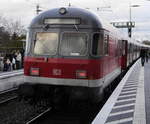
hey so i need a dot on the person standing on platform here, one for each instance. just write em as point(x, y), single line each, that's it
point(142, 55)
point(5, 68)
point(14, 63)
point(18, 60)
point(8, 64)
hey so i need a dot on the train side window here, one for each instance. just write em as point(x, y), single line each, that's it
point(106, 42)
point(97, 44)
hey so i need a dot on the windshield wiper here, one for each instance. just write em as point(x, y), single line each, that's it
point(46, 27)
point(76, 27)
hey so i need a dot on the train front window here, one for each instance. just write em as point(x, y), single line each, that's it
point(46, 43)
point(73, 44)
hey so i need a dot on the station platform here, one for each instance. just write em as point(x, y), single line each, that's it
point(130, 101)
point(10, 79)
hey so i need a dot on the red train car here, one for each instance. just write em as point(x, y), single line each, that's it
point(72, 54)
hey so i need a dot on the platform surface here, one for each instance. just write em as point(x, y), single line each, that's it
point(130, 101)
point(147, 90)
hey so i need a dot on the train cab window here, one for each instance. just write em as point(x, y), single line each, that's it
point(73, 44)
point(97, 44)
point(106, 42)
point(46, 43)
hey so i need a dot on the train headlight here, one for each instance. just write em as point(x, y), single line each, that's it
point(62, 11)
point(81, 74)
point(34, 72)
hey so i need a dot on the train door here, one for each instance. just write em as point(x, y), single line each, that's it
point(106, 53)
point(129, 54)
point(124, 55)
point(119, 52)
point(106, 61)
point(97, 51)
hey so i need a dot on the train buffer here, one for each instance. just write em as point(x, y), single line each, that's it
point(130, 101)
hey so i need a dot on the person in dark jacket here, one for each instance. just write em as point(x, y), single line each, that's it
point(143, 55)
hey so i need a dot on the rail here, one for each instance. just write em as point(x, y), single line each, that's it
point(8, 95)
point(7, 100)
point(8, 90)
point(39, 116)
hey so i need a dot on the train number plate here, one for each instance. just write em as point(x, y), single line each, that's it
point(56, 71)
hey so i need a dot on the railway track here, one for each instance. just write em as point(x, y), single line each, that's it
point(52, 116)
point(8, 100)
point(12, 110)
point(17, 112)
point(38, 117)
point(8, 91)
point(8, 95)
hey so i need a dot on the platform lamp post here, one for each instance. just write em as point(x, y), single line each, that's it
point(130, 20)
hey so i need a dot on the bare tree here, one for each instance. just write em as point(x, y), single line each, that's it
point(12, 26)
point(4, 36)
point(15, 27)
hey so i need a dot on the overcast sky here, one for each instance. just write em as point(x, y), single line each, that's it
point(112, 10)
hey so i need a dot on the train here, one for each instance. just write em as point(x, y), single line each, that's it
point(72, 54)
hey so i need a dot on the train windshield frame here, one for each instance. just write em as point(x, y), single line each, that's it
point(46, 43)
point(73, 44)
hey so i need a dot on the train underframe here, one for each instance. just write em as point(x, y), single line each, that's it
point(60, 96)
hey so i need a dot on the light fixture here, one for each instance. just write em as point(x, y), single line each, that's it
point(62, 11)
